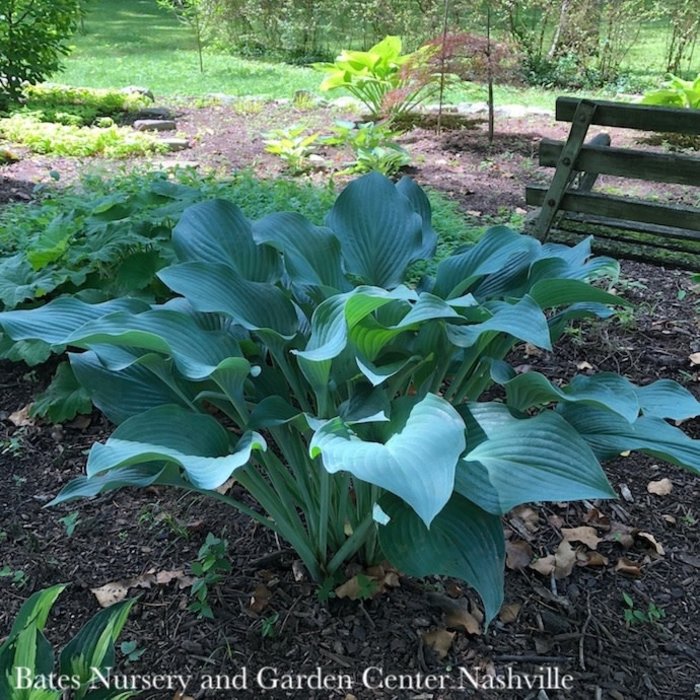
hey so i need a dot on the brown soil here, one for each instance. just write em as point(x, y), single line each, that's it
point(575, 624)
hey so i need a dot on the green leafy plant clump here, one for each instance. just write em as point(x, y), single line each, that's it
point(27, 664)
point(386, 81)
point(348, 403)
point(676, 92)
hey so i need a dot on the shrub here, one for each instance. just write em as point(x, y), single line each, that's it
point(346, 402)
point(27, 656)
point(33, 35)
point(386, 81)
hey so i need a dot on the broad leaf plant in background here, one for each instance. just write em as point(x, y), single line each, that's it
point(297, 360)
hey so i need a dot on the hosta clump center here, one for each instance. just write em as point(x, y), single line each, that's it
point(307, 337)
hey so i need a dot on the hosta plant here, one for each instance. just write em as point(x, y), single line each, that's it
point(349, 404)
point(28, 664)
point(386, 81)
point(676, 92)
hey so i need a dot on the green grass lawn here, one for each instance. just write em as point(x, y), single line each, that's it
point(134, 42)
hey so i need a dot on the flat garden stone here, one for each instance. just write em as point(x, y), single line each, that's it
point(155, 125)
point(176, 144)
point(155, 113)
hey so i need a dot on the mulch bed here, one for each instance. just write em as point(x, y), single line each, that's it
point(575, 624)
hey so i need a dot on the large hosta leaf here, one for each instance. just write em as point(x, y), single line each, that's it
point(196, 352)
point(463, 541)
point(609, 435)
point(421, 204)
point(212, 287)
point(195, 442)
point(137, 386)
point(217, 232)
point(417, 463)
point(515, 461)
point(379, 230)
point(54, 322)
point(498, 247)
point(667, 399)
point(523, 320)
point(605, 389)
point(311, 253)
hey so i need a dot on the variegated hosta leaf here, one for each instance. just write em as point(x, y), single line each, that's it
point(512, 461)
point(463, 541)
point(195, 442)
point(409, 464)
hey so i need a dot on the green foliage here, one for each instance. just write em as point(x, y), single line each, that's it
point(676, 92)
point(635, 616)
point(347, 403)
point(373, 146)
point(212, 563)
point(33, 40)
point(293, 145)
point(71, 139)
point(386, 81)
point(91, 649)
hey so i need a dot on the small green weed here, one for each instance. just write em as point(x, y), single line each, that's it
point(268, 625)
point(634, 616)
point(70, 522)
point(17, 577)
point(293, 145)
point(211, 564)
point(131, 651)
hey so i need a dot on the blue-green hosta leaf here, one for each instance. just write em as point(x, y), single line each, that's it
point(212, 287)
point(33, 352)
point(605, 389)
point(366, 405)
point(491, 254)
point(63, 399)
point(512, 461)
point(463, 541)
point(379, 231)
point(417, 463)
point(56, 321)
point(138, 475)
point(19, 282)
point(421, 204)
point(196, 352)
point(127, 391)
point(609, 435)
point(217, 232)
point(195, 442)
point(523, 320)
point(667, 399)
point(558, 292)
point(311, 253)
point(378, 374)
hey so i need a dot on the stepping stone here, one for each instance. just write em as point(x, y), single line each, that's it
point(155, 113)
point(154, 125)
point(175, 144)
point(174, 164)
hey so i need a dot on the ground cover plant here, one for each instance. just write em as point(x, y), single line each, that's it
point(321, 382)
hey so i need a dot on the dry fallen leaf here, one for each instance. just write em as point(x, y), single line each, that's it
point(544, 565)
point(585, 534)
point(560, 564)
point(226, 486)
point(461, 618)
point(662, 487)
point(179, 695)
point(532, 350)
point(260, 598)
point(621, 533)
point(591, 559)
point(583, 365)
point(440, 641)
point(596, 518)
point(509, 612)
point(518, 554)
point(628, 567)
point(649, 539)
point(21, 418)
point(694, 358)
point(111, 593)
point(624, 489)
point(529, 517)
